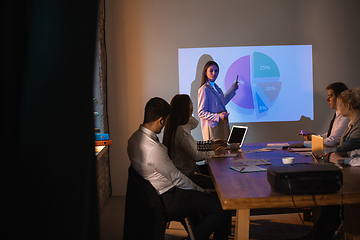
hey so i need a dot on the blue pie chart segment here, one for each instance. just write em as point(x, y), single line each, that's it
point(261, 105)
point(259, 84)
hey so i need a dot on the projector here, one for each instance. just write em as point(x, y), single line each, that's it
point(311, 178)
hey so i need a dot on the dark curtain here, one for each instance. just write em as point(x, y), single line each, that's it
point(103, 63)
point(47, 66)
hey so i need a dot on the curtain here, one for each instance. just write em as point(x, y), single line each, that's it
point(100, 77)
point(47, 74)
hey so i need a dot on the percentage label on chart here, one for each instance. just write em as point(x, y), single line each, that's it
point(263, 108)
point(270, 88)
point(264, 67)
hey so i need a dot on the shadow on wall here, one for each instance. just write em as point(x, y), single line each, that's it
point(195, 85)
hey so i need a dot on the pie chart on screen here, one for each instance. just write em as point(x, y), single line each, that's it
point(259, 81)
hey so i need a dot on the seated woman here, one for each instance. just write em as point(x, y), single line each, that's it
point(182, 147)
point(349, 105)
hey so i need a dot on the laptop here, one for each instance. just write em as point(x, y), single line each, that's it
point(317, 146)
point(237, 135)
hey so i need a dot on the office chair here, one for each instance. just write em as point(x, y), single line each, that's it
point(143, 202)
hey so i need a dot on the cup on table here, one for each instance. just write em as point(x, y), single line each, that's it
point(288, 160)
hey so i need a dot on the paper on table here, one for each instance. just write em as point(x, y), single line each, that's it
point(252, 162)
point(265, 149)
point(276, 146)
point(251, 168)
point(299, 149)
point(256, 151)
point(306, 154)
point(227, 155)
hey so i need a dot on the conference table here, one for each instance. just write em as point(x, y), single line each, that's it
point(246, 191)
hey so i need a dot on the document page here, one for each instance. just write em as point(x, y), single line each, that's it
point(251, 168)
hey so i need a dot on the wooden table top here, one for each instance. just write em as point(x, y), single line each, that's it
point(252, 191)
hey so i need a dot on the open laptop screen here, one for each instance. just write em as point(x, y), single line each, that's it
point(317, 145)
point(237, 134)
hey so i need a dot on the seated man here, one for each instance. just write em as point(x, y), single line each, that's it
point(181, 197)
point(337, 125)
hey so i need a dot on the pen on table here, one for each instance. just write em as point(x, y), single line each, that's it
point(237, 169)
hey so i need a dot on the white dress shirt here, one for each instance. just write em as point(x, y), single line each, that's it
point(185, 153)
point(339, 126)
point(150, 159)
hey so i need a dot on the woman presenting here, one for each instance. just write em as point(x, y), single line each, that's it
point(211, 104)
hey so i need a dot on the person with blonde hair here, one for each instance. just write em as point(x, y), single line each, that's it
point(349, 105)
point(348, 150)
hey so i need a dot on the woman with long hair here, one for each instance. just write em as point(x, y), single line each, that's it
point(211, 104)
point(349, 104)
point(183, 149)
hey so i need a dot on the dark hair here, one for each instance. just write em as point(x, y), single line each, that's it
point(207, 65)
point(351, 97)
point(180, 115)
point(156, 108)
point(337, 87)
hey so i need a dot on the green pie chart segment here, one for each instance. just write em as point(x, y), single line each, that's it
point(264, 66)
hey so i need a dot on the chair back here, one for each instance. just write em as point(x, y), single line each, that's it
point(144, 210)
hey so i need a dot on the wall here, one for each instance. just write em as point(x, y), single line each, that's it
point(143, 36)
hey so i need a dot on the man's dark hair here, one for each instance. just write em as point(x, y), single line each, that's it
point(156, 108)
point(337, 87)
